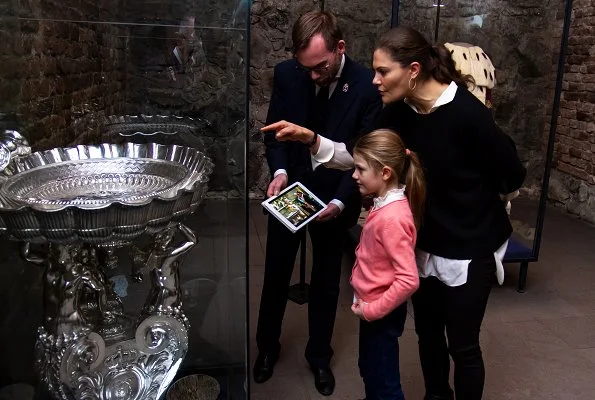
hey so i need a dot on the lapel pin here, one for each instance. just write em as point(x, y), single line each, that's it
point(345, 87)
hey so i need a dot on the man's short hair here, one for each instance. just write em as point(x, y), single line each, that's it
point(313, 23)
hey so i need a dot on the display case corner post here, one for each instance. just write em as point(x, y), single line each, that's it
point(395, 13)
point(553, 128)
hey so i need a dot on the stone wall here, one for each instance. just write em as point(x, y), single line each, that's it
point(572, 185)
point(272, 21)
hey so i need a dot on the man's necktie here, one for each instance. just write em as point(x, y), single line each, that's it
point(320, 109)
point(322, 97)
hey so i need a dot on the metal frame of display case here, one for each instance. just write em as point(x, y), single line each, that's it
point(518, 252)
point(247, 351)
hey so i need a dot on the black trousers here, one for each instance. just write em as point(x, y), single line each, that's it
point(459, 311)
point(328, 239)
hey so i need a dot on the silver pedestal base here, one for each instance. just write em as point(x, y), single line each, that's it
point(83, 367)
point(88, 349)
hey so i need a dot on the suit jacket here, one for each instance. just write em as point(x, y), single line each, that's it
point(353, 109)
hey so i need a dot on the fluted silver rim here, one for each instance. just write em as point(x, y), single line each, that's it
point(196, 171)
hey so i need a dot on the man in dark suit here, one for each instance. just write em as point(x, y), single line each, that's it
point(319, 97)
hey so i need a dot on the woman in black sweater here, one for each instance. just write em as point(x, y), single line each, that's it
point(470, 166)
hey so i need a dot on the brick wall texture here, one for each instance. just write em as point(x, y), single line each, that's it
point(572, 185)
point(59, 76)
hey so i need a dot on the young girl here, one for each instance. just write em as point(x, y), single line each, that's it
point(385, 273)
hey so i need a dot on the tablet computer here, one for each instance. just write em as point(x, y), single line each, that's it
point(295, 206)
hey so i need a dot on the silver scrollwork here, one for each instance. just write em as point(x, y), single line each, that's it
point(82, 311)
point(74, 360)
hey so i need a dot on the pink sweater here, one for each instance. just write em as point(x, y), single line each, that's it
point(385, 273)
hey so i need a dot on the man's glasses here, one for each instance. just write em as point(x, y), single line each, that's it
point(319, 69)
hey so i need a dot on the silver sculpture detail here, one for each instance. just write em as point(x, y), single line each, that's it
point(87, 347)
point(12, 144)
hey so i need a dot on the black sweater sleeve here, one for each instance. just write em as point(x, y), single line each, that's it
point(499, 159)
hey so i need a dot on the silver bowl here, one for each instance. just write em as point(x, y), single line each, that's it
point(103, 194)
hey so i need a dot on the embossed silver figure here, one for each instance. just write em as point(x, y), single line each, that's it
point(162, 262)
point(87, 347)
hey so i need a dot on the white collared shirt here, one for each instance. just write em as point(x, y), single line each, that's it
point(390, 196)
point(333, 85)
point(446, 97)
point(450, 272)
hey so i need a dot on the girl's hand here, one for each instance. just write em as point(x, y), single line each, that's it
point(358, 308)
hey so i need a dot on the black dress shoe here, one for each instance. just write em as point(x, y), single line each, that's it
point(324, 380)
point(263, 367)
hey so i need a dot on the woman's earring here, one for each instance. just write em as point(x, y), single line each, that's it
point(414, 84)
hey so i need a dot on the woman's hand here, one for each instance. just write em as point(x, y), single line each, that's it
point(287, 131)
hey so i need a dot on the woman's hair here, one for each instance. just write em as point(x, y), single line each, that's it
point(384, 148)
point(405, 45)
point(313, 23)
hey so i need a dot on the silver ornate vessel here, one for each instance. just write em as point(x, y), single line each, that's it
point(85, 202)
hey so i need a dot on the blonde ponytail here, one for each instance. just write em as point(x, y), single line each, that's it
point(415, 187)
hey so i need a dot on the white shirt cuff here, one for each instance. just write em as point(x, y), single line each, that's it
point(509, 196)
point(341, 160)
point(332, 155)
point(339, 204)
point(325, 152)
point(279, 172)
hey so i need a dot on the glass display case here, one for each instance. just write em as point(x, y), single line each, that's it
point(73, 75)
point(515, 51)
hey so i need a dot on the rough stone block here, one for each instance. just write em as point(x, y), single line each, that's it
point(362, 25)
point(575, 152)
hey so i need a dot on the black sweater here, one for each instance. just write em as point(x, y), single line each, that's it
point(468, 161)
